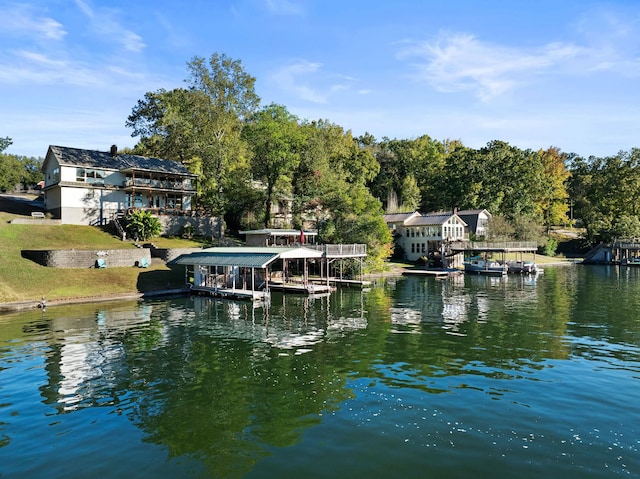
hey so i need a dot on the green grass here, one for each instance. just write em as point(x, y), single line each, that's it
point(24, 280)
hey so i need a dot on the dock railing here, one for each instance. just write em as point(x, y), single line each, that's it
point(494, 246)
point(340, 250)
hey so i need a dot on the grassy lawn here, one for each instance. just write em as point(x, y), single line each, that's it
point(24, 280)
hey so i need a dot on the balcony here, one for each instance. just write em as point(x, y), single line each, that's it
point(158, 185)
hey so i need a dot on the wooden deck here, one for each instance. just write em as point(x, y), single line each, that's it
point(310, 288)
point(438, 273)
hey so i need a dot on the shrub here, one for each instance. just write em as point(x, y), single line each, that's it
point(141, 225)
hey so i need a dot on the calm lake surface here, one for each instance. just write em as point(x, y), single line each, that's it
point(465, 377)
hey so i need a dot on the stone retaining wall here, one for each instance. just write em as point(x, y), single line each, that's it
point(167, 255)
point(73, 258)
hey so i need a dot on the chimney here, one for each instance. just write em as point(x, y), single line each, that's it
point(114, 150)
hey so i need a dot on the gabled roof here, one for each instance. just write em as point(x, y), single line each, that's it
point(466, 212)
point(104, 159)
point(399, 217)
point(431, 220)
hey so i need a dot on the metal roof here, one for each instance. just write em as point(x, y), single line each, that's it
point(245, 257)
point(399, 217)
point(244, 260)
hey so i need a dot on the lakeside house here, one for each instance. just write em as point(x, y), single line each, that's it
point(427, 235)
point(91, 187)
point(477, 221)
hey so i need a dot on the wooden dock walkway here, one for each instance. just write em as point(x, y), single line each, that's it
point(438, 273)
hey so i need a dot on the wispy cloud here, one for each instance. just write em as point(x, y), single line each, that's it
point(285, 7)
point(26, 67)
point(459, 62)
point(105, 23)
point(297, 78)
point(24, 20)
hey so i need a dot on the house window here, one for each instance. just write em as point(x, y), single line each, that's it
point(174, 201)
point(90, 175)
point(413, 247)
point(56, 175)
point(134, 200)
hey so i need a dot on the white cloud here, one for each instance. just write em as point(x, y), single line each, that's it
point(23, 20)
point(297, 77)
point(460, 62)
point(285, 7)
point(104, 22)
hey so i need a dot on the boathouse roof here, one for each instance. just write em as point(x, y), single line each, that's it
point(245, 257)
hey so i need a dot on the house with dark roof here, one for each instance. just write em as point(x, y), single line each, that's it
point(89, 187)
point(425, 235)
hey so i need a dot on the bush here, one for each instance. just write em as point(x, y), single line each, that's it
point(550, 248)
point(141, 225)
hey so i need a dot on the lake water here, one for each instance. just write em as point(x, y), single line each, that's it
point(465, 377)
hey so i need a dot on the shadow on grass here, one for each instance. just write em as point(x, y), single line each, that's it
point(161, 279)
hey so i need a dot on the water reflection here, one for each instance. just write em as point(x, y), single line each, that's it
point(224, 389)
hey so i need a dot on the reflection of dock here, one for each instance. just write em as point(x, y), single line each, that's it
point(232, 293)
point(347, 283)
point(309, 288)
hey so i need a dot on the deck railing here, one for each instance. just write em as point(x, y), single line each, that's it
point(498, 245)
point(176, 185)
point(337, 250)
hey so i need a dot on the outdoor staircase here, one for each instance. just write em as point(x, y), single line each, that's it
point(118, 221)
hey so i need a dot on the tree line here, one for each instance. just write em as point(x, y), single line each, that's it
point(251, 156)
point(16, 171)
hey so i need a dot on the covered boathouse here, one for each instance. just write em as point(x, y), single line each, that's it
point(251, 272)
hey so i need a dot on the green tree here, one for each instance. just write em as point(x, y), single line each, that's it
point(274, 138)
point(10, 172)
point(605, 190)
point(410, 194)
point(330, 185)
point(141, 225)
point(626, 227)
point(551, 203)
point(5, 143)
point(31, 171)
point(202, 125)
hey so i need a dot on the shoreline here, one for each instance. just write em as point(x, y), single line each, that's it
point(18, 306)
point(27, 305)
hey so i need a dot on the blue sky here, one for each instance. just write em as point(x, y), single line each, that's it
point(536, 73)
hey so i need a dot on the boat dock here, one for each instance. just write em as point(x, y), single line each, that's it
point(438, 273)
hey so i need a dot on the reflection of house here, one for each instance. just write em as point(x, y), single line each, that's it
point(425, 235)
point(89, 186)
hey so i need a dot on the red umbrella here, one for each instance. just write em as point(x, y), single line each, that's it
point(301, 237)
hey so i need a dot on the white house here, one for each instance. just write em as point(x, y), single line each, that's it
point(88, 187)
point(477, 220)
point(424, 235)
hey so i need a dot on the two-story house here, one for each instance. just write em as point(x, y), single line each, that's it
point(88, 187)
point(421, 235)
